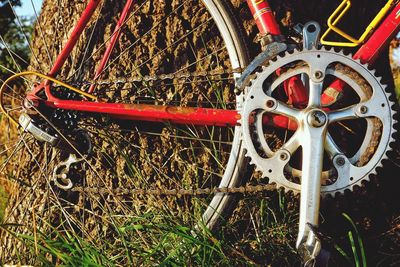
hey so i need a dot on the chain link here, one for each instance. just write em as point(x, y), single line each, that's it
point(377, 124)
point(162, 77)
point(246, 189)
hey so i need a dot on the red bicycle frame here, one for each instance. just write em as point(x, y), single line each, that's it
point(266, 24)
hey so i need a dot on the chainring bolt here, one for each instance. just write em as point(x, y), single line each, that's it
point(283, 156)
point(363, 109)
point(237, 91)
point(340, 161)
point(270, 103)
point(318, 75)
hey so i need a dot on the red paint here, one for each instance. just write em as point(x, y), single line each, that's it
point(158, 113)
point(279, 121)
point(80, 26)
point(331, 93)
point(283, 122)
point(264, 17)
point(296, 92)
point(376, 44)
point(141, 112)
point(381, 38)
point(115, 36)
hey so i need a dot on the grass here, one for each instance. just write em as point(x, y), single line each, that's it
point(3, 202)
point(358, 255)
point(262, 231)
point(396, 76)
point(153, 240)
point(261, 236)
point(60, 248)
point(397, 84)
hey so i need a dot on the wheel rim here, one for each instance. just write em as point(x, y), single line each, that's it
point(124, 160)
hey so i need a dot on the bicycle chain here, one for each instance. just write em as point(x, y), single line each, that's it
point(364, 158)
point(161, 77)
point(246, 189)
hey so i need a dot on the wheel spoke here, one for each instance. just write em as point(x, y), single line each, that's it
point(133, 155)
point(86, 60)
point(50, 61)
point(159, 23)
point(20, 25)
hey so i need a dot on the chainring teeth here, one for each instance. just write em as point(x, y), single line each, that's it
point(360, 72)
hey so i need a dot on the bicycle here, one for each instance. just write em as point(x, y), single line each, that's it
point(257, 112)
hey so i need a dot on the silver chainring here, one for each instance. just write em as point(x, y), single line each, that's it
point(366, 108)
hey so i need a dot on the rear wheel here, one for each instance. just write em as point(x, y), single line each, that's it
point(201, 45)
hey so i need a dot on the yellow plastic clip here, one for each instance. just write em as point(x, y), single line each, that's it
point(27, 73)
point(338, 14)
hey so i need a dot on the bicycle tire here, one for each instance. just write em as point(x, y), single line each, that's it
point(220, 204)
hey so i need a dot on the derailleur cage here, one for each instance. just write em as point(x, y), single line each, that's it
point(75, 149)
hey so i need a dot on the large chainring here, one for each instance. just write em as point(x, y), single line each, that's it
point(361, 124)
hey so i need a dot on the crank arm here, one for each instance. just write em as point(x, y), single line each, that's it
point(314, 133)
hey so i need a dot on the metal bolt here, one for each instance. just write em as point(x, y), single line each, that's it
point(270, 103)
point(340, 161)
point(30, 103)
point(237, 91)
point(363, 109)
point(316, 118)
point(318, 74)
point(283, 156)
